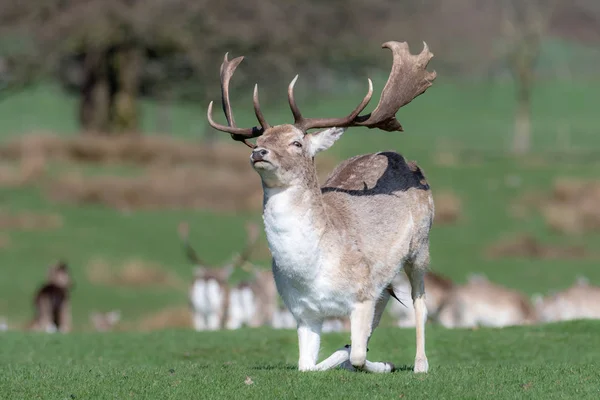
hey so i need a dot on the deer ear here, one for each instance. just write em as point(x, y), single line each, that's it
point(323, 140)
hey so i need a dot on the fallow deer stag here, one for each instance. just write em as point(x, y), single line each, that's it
point(337, 248)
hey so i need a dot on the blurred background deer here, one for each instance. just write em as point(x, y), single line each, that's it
point(52, 301)
point(218, 304)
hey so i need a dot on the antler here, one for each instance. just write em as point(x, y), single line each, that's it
point(184, 235)
point(251, 241)
point(239, 134)
point(305, 124)
point(408, 79)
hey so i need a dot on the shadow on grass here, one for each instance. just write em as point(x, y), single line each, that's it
point(404, 368)
point(286, 367)
point(289, 367)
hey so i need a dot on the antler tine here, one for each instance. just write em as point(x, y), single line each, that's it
point(184, 231)
point(227, 70)
point(408, 79)
point(251, 241)
point(295, 110)
point(238, 134)
point(259, 115)
point(305, 124)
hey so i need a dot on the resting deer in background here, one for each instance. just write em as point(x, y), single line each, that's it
point(105, 321)
point(480, 302)
point(337, 248)
point(438, 289)
point(52, 301)
point(216, 304)
point(580, 301)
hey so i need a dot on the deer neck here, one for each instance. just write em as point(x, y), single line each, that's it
point(295, 222)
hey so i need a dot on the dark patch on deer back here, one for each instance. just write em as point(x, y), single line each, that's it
point(376, 174)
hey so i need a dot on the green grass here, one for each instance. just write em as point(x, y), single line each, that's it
point(548, 362)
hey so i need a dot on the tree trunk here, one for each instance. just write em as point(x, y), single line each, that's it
point(524, 77)
point(522, 133)
point(127, 64)
point(94, 103)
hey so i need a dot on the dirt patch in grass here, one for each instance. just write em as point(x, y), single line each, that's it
point(139, 150)
point(167, 318)
point(574, 207)
point(132, 273)
point(570, 208)
point(29, 221)
point(28, 170)
point(4, 241)
point(527, 246)
point(171, 188)
point(448, 207)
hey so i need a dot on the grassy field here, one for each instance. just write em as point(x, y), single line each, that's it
point(552, 362)
point(469, 122)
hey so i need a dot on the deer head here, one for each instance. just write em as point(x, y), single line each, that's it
point(59, 275)
point(283, 154)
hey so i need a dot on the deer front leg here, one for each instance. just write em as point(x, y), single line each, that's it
point(361, 320)
point(309, 341)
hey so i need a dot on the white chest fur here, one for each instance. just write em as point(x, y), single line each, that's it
point(305, 265)
point(292, 234)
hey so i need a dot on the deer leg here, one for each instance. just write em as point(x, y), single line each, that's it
point(199, 321)
point(44, 321)
point(341, 356)
point(416, 272)
point(361, 320)
point(64, 316)
point(309, 341)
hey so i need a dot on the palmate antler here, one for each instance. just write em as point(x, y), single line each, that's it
point(408, 79)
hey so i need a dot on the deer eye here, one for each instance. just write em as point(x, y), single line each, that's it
point(297, 143)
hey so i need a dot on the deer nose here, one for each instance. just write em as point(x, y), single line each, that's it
point(259, 154)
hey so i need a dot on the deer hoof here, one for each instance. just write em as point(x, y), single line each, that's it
point(421, 365)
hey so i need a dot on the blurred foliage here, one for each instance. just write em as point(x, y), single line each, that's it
point(113, 51)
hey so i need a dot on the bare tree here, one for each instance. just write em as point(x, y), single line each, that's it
point(525, 23)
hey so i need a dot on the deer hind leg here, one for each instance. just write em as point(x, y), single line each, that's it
point(64, 317)
point(416, 271)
